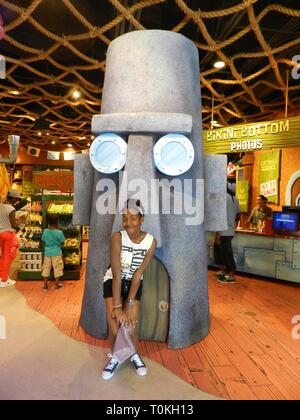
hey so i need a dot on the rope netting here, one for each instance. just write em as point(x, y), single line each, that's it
point(50, 51)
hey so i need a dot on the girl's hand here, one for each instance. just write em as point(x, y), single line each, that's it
point(130, 316)
point(121, 317)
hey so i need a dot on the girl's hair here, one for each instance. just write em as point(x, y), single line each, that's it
point(135, 205)
point(53, 220)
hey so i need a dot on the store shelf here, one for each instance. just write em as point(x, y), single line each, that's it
point(60, 214)
point(71, 271)
point(71, 249)
point(30, 249)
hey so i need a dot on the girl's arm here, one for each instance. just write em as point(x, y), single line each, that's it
point(136, 280)
point(115, 262)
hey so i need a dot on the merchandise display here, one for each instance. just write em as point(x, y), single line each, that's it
point(85, 233)
point(31, 245)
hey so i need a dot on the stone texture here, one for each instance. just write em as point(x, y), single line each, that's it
point(148, 122)
point(83, 194)
point(215, 192)
point(155, 71)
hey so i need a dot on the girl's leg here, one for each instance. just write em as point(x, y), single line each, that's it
point(134, 331)
point(136, 359)
point(109, 370)
point(46, 287)
point(112, 324)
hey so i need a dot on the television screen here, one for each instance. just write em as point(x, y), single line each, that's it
point(287, 222)
point(291, 209)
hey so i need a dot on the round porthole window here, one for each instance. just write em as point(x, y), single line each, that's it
point(173, 154)
point(108, 153)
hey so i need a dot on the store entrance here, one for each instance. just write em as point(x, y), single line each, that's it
point(155, 304)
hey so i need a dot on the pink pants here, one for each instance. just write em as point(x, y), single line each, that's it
point(9, 246)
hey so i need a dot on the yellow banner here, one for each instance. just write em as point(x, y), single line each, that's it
point(250, 137)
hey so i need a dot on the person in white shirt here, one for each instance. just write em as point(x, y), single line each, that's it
point(8, 241)
point(131, 250)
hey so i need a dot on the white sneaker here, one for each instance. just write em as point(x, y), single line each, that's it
point(110, 368)
point(139, 365)
point(7, 283)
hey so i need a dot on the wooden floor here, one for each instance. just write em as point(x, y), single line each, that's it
point(250, 353)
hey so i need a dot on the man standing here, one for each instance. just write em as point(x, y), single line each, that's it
point(223, 253)
point(260, 212)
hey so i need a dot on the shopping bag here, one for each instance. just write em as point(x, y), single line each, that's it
point(124, 347)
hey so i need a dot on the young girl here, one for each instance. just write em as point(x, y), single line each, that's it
point(131, 251)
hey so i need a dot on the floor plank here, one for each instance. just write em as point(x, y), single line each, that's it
point(249, 354)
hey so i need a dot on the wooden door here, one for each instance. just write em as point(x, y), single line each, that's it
point(155, 303)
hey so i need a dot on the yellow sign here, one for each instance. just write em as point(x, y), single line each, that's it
point(250, 137)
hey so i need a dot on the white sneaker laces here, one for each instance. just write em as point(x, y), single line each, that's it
point(138, 361)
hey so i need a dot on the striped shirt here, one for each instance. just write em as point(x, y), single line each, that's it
point(132, 256)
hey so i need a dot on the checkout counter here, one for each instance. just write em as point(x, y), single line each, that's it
point(265, 254)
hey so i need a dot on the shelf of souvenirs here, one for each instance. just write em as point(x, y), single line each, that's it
point(72, 260)
point(62, 209)
point(72, 244)
point(85, 233)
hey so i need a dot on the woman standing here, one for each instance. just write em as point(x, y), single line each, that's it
point(8, 237)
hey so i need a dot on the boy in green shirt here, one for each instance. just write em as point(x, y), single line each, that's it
point(53, 238)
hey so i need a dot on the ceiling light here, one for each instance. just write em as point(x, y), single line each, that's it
point(219, 64)
point(76, 94)
point(70, 145)
point(53, 142)
point(92, 137)
point(14, 92)
point(39, 133)
point(88, 145)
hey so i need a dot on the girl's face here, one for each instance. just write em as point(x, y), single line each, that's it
point(132, 221)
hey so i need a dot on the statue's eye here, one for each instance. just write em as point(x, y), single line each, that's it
point(108, 153)
point(173, 154)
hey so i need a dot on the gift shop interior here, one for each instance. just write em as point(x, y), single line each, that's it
point(68, 129)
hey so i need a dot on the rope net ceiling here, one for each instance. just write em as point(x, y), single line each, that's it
point(54, 46)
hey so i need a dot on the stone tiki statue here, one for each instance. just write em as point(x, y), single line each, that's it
point(152, 89)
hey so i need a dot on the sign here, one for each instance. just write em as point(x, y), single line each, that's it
point(27, 189)
point(250, 137)
point(54, 180)
point(269, 188)
point(69, 155)
point(242, 194)
point(269, 175)
point(53, 155)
